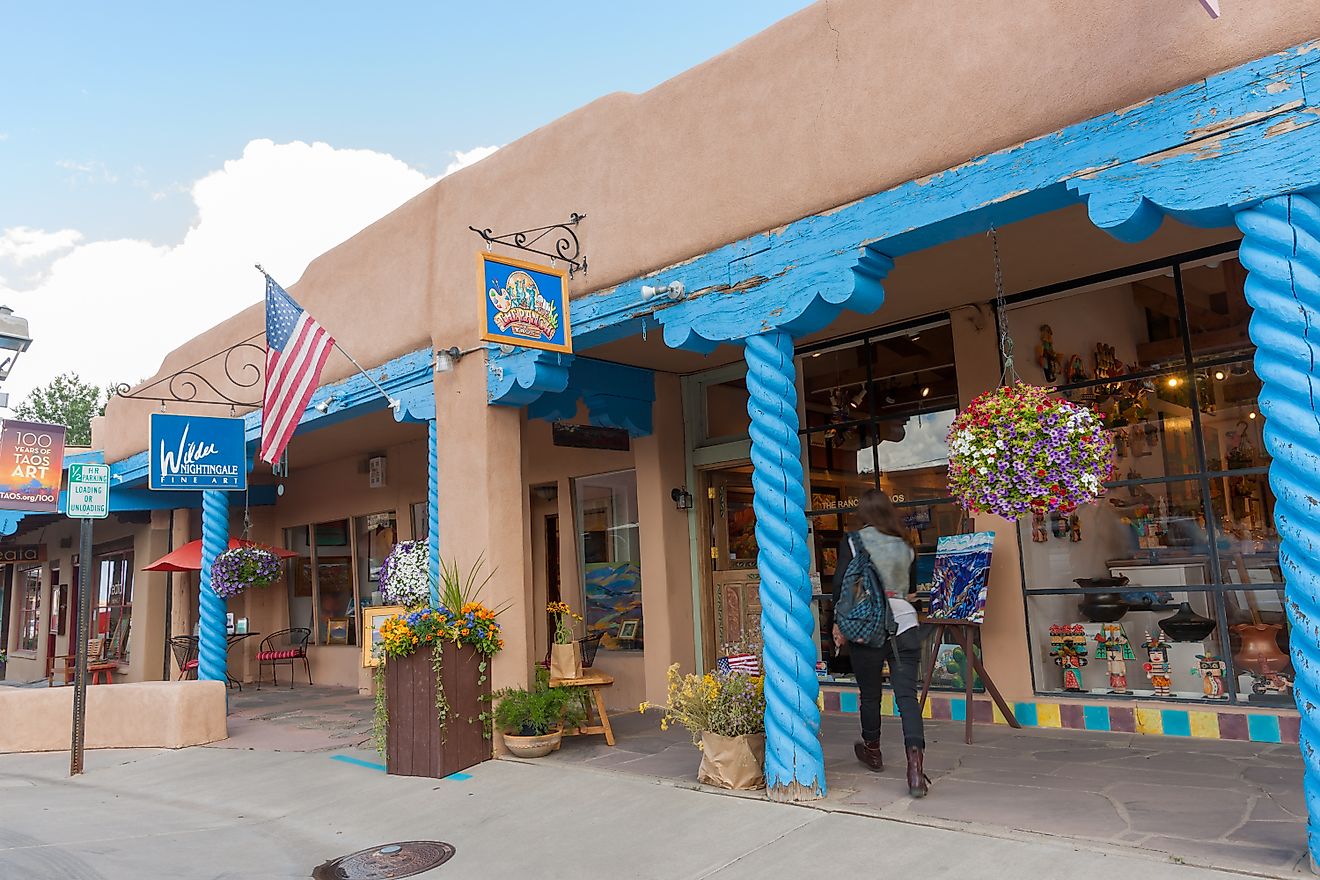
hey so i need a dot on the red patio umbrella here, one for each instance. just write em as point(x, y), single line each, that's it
point(189, 556)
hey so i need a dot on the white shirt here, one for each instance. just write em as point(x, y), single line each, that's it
point(904, 614)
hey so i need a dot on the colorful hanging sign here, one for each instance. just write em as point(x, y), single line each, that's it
point(526, 304)
point(31, 466)
point(197, 452)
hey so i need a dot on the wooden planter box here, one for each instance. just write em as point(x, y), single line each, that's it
point(415, 745)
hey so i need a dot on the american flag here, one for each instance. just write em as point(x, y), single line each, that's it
point(296, 349)
point(747, 664)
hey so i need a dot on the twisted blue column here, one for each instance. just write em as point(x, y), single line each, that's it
point(433, 514)
point(794, 763)
point(1281, 252)
point(211, 650)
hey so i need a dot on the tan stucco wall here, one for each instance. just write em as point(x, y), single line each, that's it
point(185, 713)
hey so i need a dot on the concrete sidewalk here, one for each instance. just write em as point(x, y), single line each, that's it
point(220, 813)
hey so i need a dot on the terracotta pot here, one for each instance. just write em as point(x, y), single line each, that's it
point(1260, 652)
point(532, 746)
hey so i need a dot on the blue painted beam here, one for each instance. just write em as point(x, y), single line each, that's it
point(817, 261)
point(617, 396)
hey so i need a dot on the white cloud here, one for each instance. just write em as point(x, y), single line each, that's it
point(111, 310)
point(4, 135)
point(464, 158)
point(87, 172)
point(22, 244)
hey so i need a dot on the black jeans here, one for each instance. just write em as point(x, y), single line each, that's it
point(868, 666)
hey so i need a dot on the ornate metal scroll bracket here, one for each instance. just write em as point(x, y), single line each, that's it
point(243, 367)
point(562, 236)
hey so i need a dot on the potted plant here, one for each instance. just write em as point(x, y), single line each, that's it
point(242, 568)
point(725, 714)
point(432, 682)
point(532, 722)
point(1017, 450)
point(565, 660)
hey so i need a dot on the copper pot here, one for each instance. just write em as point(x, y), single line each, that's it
point(1260, 651)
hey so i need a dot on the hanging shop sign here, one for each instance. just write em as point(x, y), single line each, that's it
point(22, 553)
point(526, 304)
point(197, 452)
point(31, 465)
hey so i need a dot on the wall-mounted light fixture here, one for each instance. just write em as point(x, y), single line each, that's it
point(324, 406)
point(682, 498)
point(674, 290)
point(447, 358)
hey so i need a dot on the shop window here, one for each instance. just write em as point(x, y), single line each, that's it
point(302, 597)
point(420, 521)
point(1187, 518)
point(113, 614)
point(609, 542)
point(29, 609)
point(377, 533)
point(877, 412)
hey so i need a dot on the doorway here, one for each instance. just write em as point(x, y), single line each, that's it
point(731, 600)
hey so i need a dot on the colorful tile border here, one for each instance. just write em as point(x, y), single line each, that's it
point(1279, 726)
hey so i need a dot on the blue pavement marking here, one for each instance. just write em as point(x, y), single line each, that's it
point(372, 765)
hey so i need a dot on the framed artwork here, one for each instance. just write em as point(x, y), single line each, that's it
point(827, 552)
point(332, 534)
point(961, 577)
point(627, 630)
point(336, 630)
point(825, 499)
point(372, 618)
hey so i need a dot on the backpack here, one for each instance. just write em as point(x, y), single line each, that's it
point(862, 613)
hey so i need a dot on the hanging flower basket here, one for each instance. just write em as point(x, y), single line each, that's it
point(241, 568)
point(1017, 450)
point(403, 575)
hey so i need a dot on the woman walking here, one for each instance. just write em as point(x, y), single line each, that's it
point(884, 537)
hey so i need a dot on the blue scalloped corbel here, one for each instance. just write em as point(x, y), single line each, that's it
point(798, 302)
point(616, 395)
point(1203, 183)
point(416, 404)
point(9, 520)
point(518, 378)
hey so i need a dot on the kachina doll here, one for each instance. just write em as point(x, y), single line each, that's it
point(1046, 357)
point(1157, 664)
point(1068, 648)
point(1211, 669)
point(1113, 647)
point(1038, 533)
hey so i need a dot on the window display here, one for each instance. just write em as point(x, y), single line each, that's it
point(611, 548)
point(1176, 567)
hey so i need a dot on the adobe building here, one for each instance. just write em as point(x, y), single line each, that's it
point(790, 290)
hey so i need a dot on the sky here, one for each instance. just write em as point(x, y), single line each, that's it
point(151, 152)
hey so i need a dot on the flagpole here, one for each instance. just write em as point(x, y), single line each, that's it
point(394, 402)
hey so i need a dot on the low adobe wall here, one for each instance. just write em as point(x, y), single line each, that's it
point(149, 714)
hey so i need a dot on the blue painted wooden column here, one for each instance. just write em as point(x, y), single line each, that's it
point(417, 404)
point(794, 761)
point(212, 649)
point(1281, 252)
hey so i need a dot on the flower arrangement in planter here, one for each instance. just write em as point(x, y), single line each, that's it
point(565, 659)
point(435, 660)
point(404, 577)
point(725, 714)
point(1017, 450)
point(242, 568)
point(532, 722)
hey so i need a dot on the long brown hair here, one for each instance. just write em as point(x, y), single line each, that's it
point(876, 510)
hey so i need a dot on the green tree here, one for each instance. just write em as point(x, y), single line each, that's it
point(67, 400)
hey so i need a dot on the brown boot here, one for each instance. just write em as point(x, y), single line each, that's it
point(869, 754)
point(918, 782)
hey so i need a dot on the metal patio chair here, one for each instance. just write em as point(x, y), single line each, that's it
point(185, 654)
point(286, 646)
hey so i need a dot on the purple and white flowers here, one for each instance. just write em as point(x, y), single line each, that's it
point(238, 569)
point(1016, 450)
point(404, 575)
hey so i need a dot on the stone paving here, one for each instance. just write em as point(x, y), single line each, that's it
point(1230, 805)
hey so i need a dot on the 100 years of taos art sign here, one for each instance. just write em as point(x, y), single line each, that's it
point(31, 464)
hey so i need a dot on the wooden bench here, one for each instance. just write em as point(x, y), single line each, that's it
point(595, 682)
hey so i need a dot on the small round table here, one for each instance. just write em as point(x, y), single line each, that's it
point(594, 682)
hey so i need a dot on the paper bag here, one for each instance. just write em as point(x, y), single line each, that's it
point(565, 661)
point(735, 762)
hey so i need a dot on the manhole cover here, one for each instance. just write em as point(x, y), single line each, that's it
point(386, 862)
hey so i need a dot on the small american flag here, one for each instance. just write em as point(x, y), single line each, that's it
point(296, 349)
point(747, 664)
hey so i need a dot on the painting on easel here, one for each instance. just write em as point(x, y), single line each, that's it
point(962, 576)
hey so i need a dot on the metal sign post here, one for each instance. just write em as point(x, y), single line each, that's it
point(80, 671)
point(88, 498)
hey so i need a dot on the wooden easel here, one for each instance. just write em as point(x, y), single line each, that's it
point(962, 633)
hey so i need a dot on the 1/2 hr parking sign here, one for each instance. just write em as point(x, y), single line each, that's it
point(89, 491)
